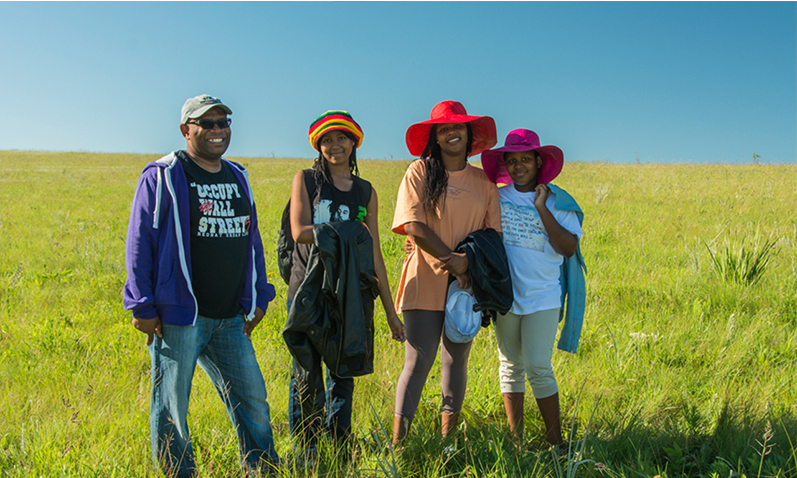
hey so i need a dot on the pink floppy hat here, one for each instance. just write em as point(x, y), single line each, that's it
point(482, 127)
point(523, 140)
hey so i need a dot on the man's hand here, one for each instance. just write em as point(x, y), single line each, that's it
point(149, 327)
point(250, 325)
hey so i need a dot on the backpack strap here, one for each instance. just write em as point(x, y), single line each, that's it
point(309, 183)
point(285, 242)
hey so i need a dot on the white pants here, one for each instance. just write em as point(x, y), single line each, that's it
point(525, 346)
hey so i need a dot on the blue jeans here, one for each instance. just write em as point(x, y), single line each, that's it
point(227, 356)
point(307, 399)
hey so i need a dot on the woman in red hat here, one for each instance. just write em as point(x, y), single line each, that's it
point(541, 230)
point(441, 200)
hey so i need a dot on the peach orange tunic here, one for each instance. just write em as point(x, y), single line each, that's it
point(470, 203)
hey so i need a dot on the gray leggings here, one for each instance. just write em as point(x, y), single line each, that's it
point(424, 329)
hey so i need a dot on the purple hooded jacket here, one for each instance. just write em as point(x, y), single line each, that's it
point(158, 252)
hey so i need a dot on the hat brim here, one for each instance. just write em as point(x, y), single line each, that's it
point(207, 108)
point(495, 168)
point(482, 127)
point(352, 137)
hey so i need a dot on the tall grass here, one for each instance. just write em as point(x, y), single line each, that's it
point(746, 261)
point(695, 374)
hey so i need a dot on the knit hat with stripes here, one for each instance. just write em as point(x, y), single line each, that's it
point(334, 120)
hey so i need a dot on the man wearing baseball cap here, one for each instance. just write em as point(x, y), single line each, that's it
point(196, 285)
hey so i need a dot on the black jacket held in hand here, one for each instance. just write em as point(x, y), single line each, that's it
point(489, 271)
point(332, 316)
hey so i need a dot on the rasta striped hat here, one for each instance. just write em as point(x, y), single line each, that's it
point(334, 120)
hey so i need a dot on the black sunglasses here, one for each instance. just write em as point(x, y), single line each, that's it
point(208, 124)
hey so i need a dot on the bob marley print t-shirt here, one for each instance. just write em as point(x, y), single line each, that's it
point(330, 204)
point(220, 219)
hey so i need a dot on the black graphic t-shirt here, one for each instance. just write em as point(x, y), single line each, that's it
point(330, 204)
point(220, 219)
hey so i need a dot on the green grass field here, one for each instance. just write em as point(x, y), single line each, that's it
point(686, 365)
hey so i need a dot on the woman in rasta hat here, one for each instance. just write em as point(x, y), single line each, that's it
point(441, 200)
point(337, 193)
point(541, 229)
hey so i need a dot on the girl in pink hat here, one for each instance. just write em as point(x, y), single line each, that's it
point(541, 228)
point(441, 200)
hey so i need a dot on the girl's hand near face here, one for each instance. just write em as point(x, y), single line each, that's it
point(563, 241)
point(540, 195)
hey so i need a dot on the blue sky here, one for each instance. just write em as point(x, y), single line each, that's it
point(709, 82)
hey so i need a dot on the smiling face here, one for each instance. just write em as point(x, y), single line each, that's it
point(207, 144)
point(452, 138)
point(522, 168)
point(336, 147)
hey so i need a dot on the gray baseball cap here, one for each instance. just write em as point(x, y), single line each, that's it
point(199, 105)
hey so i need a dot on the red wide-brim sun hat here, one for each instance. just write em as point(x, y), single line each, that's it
point(482, 127)
point(523, 140)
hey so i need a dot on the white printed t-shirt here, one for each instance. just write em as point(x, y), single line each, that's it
point(533, 263)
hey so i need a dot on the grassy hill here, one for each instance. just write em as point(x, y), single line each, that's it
point(686, 366)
